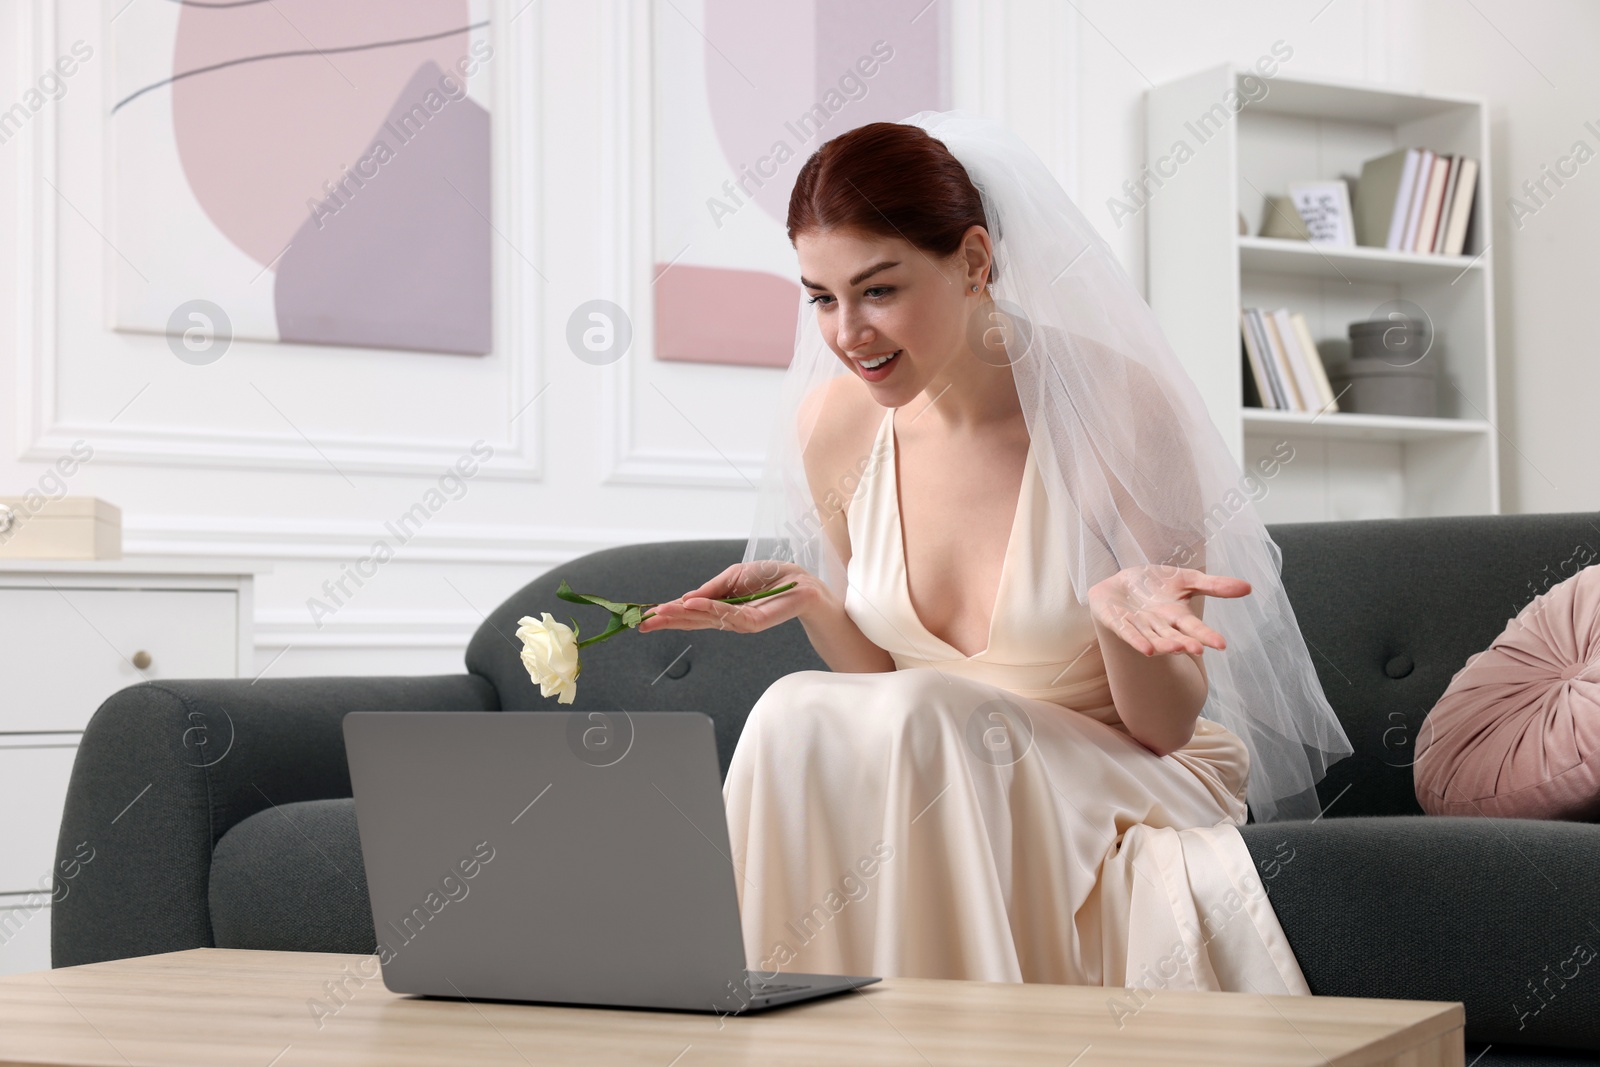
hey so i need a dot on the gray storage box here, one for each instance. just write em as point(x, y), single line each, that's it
point(1388, 372)
point(1398, 340)
point(1381, 388)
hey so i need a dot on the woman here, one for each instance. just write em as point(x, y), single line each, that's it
point(1004, 506)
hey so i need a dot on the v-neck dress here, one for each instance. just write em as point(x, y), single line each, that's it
point(989, 817)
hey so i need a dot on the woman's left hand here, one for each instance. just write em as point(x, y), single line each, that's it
point(1148, 607)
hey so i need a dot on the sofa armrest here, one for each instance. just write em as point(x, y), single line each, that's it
point(1500, 914)
point(166, 768)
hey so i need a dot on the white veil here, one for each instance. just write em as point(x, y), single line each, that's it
point(1128, 448)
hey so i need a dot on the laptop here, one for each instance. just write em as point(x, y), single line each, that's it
point(556, 857)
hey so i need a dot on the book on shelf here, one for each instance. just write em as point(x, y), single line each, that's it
point(1455, 237)
point(1278, 359)
point(1324, 388)
point(1385, 181)
point(1415, 200)
point(1285, 368)
point(1419, 193)
point(1436, 246)
point(1429, 219)
point(1259, 388)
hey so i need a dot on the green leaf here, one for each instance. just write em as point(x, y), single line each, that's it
point(615, 627)
point(565, 593)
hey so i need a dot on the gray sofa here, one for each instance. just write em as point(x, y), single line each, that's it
point(245, 836)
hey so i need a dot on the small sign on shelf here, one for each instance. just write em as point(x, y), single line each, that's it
point(1324, 206)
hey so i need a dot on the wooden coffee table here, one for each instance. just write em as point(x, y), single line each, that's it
point(221, 1007)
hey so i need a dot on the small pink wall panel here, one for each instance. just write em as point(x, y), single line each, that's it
point(722, 315)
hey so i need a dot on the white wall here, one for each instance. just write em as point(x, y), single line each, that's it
point(1126, 48)
point(1535, 65)
point(201, 462)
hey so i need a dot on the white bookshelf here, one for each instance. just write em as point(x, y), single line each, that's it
point(1202, 271)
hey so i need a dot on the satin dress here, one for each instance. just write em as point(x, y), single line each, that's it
point(988, 817)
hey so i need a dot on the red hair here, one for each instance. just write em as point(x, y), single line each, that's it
point(888, 179)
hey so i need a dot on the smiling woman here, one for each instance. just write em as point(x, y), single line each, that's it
point(992, 483)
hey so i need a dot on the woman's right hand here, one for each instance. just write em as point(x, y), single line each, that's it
point(699, 610)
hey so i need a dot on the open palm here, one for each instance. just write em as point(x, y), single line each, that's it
point(1148, 606)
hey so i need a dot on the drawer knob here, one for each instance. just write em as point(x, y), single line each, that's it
point(141, 659)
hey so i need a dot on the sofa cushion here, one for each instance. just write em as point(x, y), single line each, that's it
point(1517, 732)
point(1496, 913)
point(291, 877)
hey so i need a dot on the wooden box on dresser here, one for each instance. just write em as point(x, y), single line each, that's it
point(71, 634)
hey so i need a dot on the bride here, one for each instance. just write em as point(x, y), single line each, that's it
point(1004, 507)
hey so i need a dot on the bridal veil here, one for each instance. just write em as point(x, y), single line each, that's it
point(1125, 446)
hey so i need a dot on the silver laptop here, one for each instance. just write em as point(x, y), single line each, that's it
point(556, 857)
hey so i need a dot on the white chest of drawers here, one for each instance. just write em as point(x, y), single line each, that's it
point(71, 634)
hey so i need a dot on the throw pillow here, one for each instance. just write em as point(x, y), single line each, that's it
point(1517, 731)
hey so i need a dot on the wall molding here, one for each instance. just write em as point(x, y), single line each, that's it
point(627, 175)
point(40, 739)
point(334, 542)
point(284, 628)
point(341, 540)
point(518, 301)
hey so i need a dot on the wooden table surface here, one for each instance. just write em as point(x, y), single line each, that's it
point(221, 1007)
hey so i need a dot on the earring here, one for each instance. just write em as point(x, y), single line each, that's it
point(974, 288)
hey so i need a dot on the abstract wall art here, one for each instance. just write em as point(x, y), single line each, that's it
point(317, 169)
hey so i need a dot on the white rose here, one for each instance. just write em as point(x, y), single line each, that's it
point(550, 652)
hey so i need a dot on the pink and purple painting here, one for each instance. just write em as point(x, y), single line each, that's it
point(319, 169)
point(745, 92)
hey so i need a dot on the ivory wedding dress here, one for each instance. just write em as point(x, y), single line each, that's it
point(989, 817)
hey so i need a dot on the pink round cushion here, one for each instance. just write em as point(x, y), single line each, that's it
point(1517, 731)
